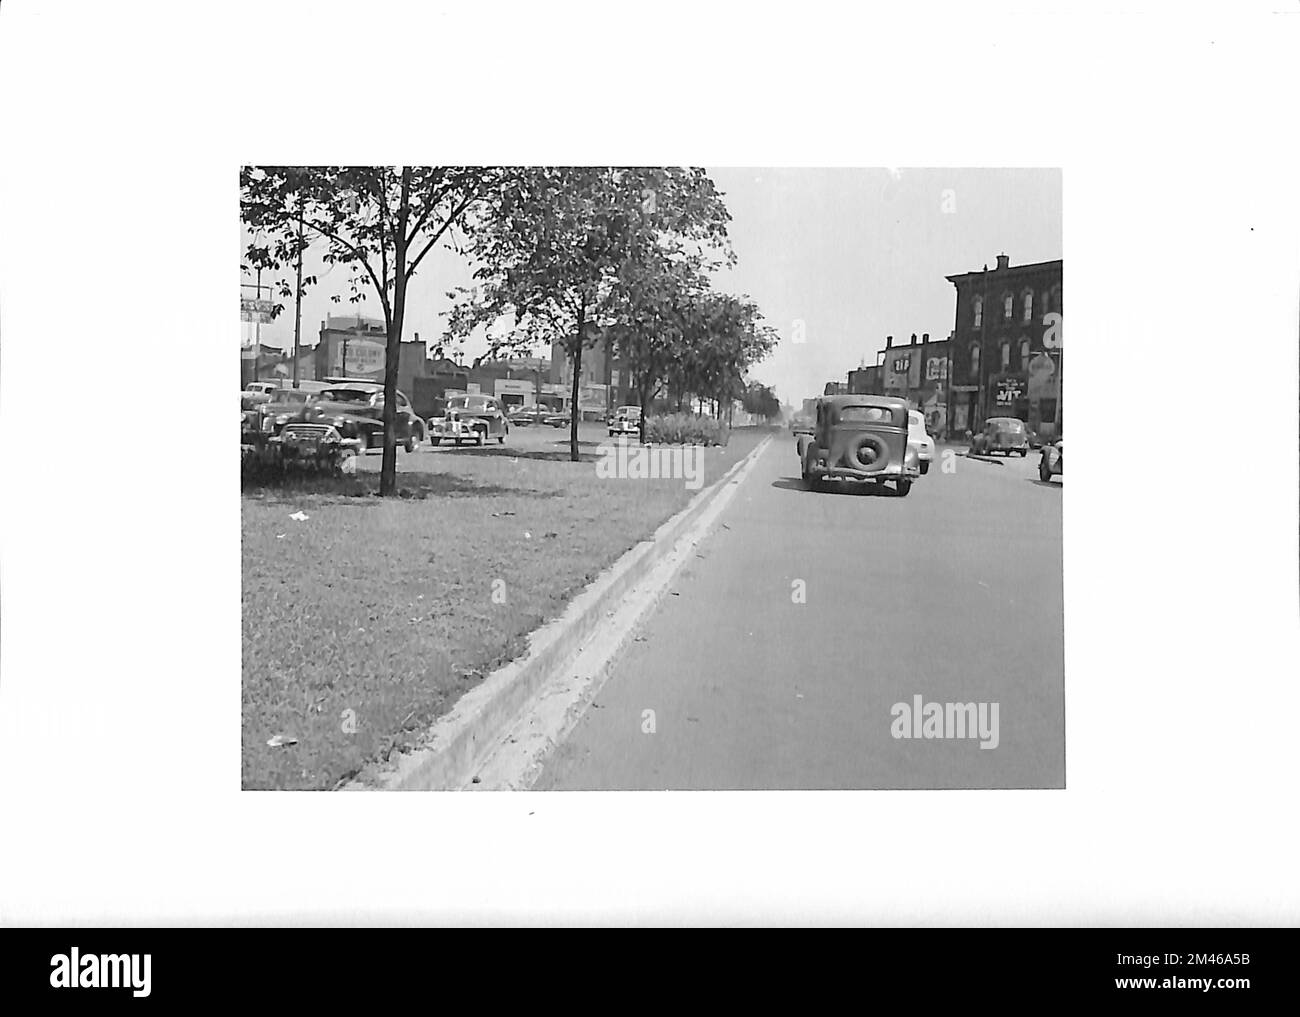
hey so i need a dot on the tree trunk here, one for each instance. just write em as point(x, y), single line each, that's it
point(643, 394)
point(577, 377)
point(393, 348)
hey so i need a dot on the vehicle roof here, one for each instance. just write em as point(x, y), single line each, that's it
point(839, 401)
point(992, 419)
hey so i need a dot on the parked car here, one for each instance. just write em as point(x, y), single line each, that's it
point(285, 405)
point(256, 392)
point(801, 423)
point(862, 438)
point(356, 410)
point(470, 418)
point(561, 419)
point(316, 447)
point(626, 420)
point(1007, 435)
point(527, 415)
point(1049, 465)
point(919, 438)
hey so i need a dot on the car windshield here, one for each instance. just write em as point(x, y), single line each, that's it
point(467, 403)
point(1007, 424)
point(868, 415)
point(288, 395)
point(346, 395)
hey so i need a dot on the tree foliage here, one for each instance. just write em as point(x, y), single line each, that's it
point(379, 221)
point(555, 255)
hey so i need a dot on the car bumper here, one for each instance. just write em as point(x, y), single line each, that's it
point(846, 473)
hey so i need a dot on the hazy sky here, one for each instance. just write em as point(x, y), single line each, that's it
point(852, 254)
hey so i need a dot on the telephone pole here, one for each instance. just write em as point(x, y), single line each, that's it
point(297, 309)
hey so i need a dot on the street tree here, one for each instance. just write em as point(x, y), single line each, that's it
point(379, 221)
point(554, 258)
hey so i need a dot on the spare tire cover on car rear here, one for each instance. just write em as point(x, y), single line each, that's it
point(867, 452)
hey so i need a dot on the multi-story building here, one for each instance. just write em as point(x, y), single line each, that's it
point(356, 347)
point(1006, 353)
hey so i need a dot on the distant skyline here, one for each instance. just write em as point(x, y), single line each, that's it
point(843, 257)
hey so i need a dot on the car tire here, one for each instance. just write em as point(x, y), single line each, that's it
point(434, 441)
point(903, 487)
point(410, 443)
point(1044, 471)
point(863, 441)
point(1024, 452)
point(925, 468)
point(501, 439)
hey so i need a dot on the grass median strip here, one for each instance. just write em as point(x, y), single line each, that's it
point(368, 619)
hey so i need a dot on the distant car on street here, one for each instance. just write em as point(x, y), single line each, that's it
point(1007, 435)
point(626, 420)
point(561, 419)
point(1049, 465)
point(861, 438)
point(919, 438)
point(801, 423)
point(473, 418)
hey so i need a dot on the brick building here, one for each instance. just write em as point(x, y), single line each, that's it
point(1001, 364)
point(353, 346)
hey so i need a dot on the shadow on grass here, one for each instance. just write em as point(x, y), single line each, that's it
point(364, 489)
point(506, 452)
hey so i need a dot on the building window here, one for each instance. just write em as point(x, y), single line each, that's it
point(1029, 306)
point(979, 311)
point(1007, 303)
point(1024, 354)
point(974, 361)
point(1006, 356)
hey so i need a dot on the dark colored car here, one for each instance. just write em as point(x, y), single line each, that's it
point(1049, 465)
point(559, 419)
point(1007, 435)
point(473, 418)
point(356, 410)
point(286, 405)
point(861, 438)
point(526, 415)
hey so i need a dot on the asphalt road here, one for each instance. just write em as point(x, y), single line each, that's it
point(952, 594)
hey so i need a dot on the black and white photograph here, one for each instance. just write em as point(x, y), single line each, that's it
point(671, 494)
point(655, 418)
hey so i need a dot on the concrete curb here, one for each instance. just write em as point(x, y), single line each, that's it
point(460, 740)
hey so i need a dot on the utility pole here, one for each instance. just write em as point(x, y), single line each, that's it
point(297, 311)
point(257, 321)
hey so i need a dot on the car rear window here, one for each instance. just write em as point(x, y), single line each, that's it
point(870, 415)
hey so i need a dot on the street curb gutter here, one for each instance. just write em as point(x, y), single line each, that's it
point(460, 740)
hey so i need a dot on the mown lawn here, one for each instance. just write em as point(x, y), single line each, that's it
point(369, 619)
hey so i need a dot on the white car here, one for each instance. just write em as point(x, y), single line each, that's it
point(919, 438)
point(627, 420)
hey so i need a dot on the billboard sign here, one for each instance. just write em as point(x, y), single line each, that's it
point(364, 357)
point(256, 311)
point(1010, 390)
